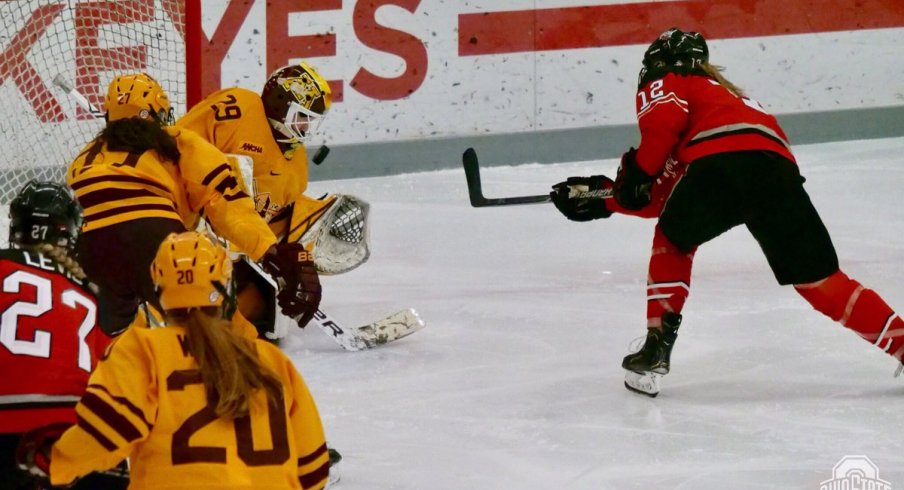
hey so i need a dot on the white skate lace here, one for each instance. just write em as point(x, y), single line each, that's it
point(637, 344)
point(899, 370)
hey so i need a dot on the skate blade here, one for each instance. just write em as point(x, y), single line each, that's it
point(643, 383)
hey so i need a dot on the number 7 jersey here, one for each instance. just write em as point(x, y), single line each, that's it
point(146, 400)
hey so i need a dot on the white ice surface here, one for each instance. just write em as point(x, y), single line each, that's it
point(516, 381)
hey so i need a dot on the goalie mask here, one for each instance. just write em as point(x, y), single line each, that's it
point(138, 95)
point(44, 212)
point(295, 100)
point(673, 51)
point(191, 271)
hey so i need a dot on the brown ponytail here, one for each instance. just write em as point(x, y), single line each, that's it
point(136, 135)
point(716, 72)
point(229, 364)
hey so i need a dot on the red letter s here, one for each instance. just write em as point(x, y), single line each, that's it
point(393, 41)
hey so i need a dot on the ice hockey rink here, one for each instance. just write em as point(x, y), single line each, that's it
point(516, 381)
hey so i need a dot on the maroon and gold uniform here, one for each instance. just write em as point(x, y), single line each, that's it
point(115, 187)
point(234, 121)
point(147, 400)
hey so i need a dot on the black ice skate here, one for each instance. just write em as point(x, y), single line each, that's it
point(647, 365)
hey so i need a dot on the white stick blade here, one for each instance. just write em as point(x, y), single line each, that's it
point(391, 328)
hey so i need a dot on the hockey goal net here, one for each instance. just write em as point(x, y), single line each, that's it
point(49, 46)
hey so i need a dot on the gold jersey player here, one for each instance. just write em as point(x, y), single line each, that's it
point(142, 179)
point(271, 128)
point(164, 398)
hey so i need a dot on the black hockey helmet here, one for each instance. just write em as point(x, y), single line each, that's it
point(676, 51)
point(44, 212)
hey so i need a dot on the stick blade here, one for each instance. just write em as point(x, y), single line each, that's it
point(391, 328)
point(394, 327)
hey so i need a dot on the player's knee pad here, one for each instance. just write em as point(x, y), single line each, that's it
point(833, 296)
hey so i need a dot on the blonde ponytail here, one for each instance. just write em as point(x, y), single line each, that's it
point(716, 72)
point(229, 364)
point(60, 255)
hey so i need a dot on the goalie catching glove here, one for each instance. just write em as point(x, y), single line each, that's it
point(583, 198)
point(299, 285)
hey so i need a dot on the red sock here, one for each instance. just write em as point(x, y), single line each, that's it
point(669, 281)
point(860, 309)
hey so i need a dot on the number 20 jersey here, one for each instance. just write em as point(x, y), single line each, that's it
point(146, 400)
point(49, 341)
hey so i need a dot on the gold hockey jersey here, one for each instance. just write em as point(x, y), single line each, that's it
point(146, 401)
point(113, 187)
point(233, 119)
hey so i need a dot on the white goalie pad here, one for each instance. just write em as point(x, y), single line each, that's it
point(339, 238)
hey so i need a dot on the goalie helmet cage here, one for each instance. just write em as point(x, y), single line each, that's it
point(83, 44)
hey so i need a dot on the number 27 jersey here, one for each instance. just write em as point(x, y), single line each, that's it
point(49, 341)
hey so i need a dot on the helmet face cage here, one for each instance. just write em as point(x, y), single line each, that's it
point(44, 213)
point(191, 271)
point(138, 95)
point(296, 98)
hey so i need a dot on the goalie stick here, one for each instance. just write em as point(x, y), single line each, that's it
point(394, 327)
point(475, 189)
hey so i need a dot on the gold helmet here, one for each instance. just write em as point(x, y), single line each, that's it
point(190, 271)
point(295, 100)
point(138, 95)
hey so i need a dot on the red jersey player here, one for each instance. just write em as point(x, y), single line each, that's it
point(711, 159)
point(49, 337)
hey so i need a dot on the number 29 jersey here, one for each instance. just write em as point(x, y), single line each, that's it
point(233, 120)
point(49, 341)
point(146, 400)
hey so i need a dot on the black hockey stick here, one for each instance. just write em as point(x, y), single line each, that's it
point(475, 191)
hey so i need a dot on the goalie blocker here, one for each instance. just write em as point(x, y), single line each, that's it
point(334, 230)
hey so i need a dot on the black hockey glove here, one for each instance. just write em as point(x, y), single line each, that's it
point(632, 185)
point(583, 198)
point(299, 284)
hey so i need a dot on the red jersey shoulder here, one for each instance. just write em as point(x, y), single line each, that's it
point(13, 260)
point(51, 340)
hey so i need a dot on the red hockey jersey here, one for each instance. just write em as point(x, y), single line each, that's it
point(691, 116)
point(49, 341)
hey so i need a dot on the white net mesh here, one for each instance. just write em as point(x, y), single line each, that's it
point(85, 44)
